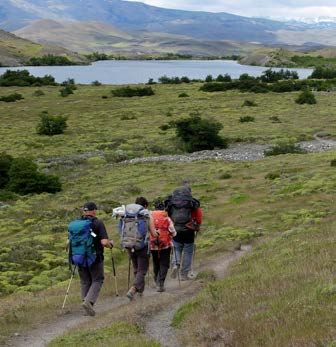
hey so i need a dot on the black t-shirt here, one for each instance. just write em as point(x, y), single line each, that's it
point(99, 229)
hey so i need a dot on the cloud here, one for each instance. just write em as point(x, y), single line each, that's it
point(249, 8)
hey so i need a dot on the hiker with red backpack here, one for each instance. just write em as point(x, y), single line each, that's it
point(134, 224)
point(161, 245)
point(86, 241)
point(186, 214)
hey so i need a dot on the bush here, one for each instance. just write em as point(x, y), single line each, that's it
point(24, 178)
point(333, 162)
point(38, 92)
point(50, 125)
point(5, 163)
point(249, 103)
point(95, 83)
point(66, 91)
point(246, 119)
point(306, 97)
point(23, 78)
point(183, 95)
point(272, 175)
point(284, 148)
point(199, 134)
point(130, 92)
point(11, 97)
point(275, 119)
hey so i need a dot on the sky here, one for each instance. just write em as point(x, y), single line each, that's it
point(254, 8)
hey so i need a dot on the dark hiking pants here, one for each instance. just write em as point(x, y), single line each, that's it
point(91, 280)
point(140, 261)
point(161, 260)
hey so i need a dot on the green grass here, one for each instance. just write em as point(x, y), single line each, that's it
point(287, 278)
point(118, 334)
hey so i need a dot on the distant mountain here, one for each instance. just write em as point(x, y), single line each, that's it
point(127, 15)
point(86, 37)
point(15, 51)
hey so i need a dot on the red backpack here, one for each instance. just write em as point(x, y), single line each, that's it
point(161, 224)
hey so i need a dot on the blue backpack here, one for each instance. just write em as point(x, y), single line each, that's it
point(81, 237)
point(133, 228)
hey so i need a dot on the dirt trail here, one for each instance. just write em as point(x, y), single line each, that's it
point(157, 326)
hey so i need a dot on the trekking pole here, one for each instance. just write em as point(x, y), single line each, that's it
point(67, 292)
point(114, 274)
point(129, 272)
point(178, 269)
point(192, 274)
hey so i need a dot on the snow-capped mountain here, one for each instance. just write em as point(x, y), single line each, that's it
point(309, 22)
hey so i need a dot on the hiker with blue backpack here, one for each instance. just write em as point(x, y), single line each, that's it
point(134, 225)
point(186, 214)
point(86, 241)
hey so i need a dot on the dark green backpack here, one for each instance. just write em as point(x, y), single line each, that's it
point(81, 237)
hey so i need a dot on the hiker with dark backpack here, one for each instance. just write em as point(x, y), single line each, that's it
point(135, 221)
point(186, 214)
point(86, 241)
point(161, 245)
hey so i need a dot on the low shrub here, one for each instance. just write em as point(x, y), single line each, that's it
point(21, 176)
point(51, 125)
point(333, 162)
point(129, 92)
point(66, 91)
point(249, 103)
point(272, 175)
point(275, 119)
point(284, 148)
point(199, 134)
point(183, 95)
point(11, 97)
point(246, 119)
point(38, 92)
point(306, 97)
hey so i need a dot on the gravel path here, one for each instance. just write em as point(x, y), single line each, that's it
point(237, 152)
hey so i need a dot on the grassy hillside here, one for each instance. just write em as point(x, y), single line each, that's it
point(15, 51)
point(278, 295)
point(291, 58)
point(88, 37)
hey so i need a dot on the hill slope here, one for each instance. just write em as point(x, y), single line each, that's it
point(94, 36)
point(138, 16)
point(15, 51)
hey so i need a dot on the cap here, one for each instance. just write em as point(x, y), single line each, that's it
point(90, 206)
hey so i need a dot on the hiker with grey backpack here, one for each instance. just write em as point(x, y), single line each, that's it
point(186, 214)
point(134, 225)
point(87, 238)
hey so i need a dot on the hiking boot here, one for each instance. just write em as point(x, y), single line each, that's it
point(88, 307)
point(174, 272)
point(140, 294)
point(161, 288)
point(184, 277)
point(131, 293)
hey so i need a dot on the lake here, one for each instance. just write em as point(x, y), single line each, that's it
point(139, 71)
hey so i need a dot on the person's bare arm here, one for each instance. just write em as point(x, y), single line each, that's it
point(106, 243)
point(151, 228)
